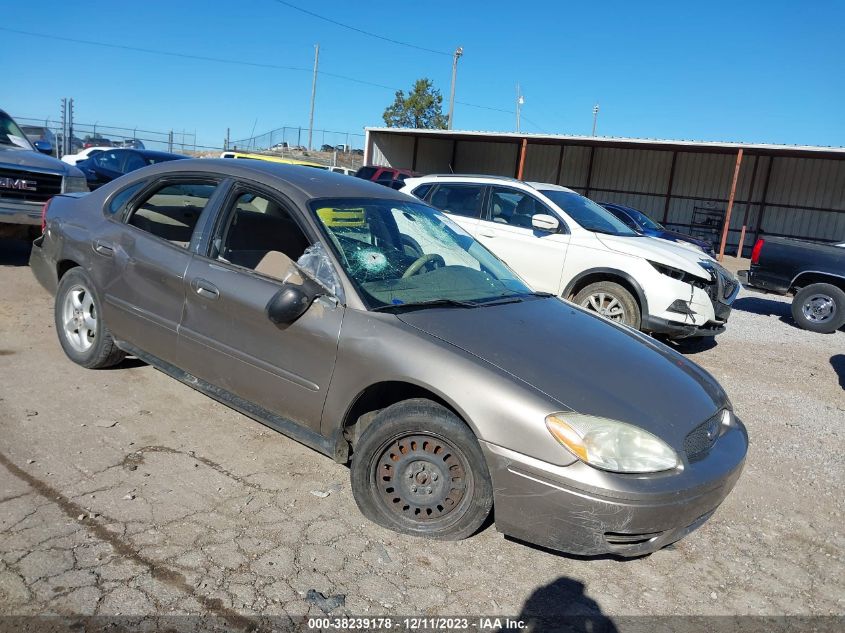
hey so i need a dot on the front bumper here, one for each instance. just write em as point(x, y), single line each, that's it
point(675, 330)
point(581, 510)
point(15, 212)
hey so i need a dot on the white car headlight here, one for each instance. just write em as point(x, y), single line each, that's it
point(75, 184)
point(610, 444)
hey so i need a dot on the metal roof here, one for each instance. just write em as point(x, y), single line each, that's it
point(618, 141)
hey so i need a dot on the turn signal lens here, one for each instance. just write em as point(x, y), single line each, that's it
point(610, 444)
point(567, 436)
point(44, 208)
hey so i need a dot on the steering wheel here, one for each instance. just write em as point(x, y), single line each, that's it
point(421, 261)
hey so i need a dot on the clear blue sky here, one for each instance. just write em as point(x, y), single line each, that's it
point(763, 71)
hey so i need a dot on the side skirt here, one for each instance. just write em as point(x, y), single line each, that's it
point(335, 447)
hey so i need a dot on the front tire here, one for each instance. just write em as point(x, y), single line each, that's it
point(419, 470)
point(83, 335)
point(819, 308)
point(610, 300)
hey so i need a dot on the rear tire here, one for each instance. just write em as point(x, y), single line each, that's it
point(819, 308)
point(610, 300)
point(82, 333)
point(418, 469)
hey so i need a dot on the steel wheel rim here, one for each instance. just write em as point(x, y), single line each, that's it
point(79, 318)
point(422, 479)
point(819, 308)
point(607, 305)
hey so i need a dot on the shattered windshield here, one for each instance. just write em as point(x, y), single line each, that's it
point(401, 253)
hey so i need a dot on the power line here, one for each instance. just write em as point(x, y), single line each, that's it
point(361, 31)
point(236, 62)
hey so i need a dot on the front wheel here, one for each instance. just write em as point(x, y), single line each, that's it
point(819, 308)
point(79, 323)
point(419, 470)
point(610, 300)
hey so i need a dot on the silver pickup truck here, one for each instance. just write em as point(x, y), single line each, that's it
point(28, 179)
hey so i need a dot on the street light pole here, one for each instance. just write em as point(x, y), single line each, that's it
point(595, 117)
point(458, 52)
point(520, 100)
point(313, 93)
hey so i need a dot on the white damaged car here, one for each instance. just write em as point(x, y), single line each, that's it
point(563, 243)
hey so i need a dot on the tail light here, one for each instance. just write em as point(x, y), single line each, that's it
point(44, 215)
point(755, 252)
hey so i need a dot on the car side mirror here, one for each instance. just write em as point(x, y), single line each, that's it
point(545, 222)
point(292, 301)
point(45, 147)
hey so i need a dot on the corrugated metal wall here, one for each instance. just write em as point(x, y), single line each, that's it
point(804, 197)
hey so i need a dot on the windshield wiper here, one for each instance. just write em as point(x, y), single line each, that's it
point(455, 303)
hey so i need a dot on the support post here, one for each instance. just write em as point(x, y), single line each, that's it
point(747, 207)
point(522, 152)
point(313, 93)
point(669, 186)
point(730, 206)
point(590, 171)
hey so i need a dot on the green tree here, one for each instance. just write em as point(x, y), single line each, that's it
point(422, 108)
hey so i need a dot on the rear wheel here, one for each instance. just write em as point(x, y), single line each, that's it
point(819, 308)
point(418, 469)
point(79, 323)
point(610, 300)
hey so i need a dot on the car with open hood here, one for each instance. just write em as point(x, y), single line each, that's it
point(374, 329)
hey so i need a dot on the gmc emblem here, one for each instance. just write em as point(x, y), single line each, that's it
point(18, 184)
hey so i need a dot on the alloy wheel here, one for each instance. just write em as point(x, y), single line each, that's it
point(819, 308)
point(79, 318)
point(606, 305)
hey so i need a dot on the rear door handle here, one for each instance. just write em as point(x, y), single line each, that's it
point(103, 249)
point(205, 289)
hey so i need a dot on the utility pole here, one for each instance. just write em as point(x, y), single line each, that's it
point(70, 125)
point(458, 52)
point(595, 117)
point(226, 143)
point(313, 93)
point(520, 100)
point(64, 127)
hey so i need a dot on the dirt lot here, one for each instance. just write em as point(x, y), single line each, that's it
point(125, 492)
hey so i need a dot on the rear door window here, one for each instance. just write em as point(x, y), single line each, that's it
point(459, 199)
point(172, 210)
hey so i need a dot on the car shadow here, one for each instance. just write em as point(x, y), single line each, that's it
point(837, 361)
point(130, 362)
point(692, 345)
point(560, 606)
point(14, 252)
point(763, 307)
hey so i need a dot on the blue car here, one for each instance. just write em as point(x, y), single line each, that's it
point(641, 223)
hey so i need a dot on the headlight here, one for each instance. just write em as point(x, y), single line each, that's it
point(611, 445)
point(75, 184)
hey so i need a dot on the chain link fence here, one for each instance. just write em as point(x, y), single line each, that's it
point(330, 147)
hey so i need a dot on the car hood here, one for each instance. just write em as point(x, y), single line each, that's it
point(681, 237)
point(657, 250)
point(583, 362)
point(36, 160)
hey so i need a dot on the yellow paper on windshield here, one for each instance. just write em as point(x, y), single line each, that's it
point(342, 218)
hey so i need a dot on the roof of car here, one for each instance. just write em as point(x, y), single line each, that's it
point(539, 186)
point(308, 182)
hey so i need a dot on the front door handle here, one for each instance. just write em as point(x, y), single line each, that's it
point(205, 289)
point(486, 234)
point(103, 249)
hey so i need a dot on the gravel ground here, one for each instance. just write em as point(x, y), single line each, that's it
point(125, 492)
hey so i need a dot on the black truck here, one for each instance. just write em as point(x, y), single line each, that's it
point(812, 271)
point(28, 179)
